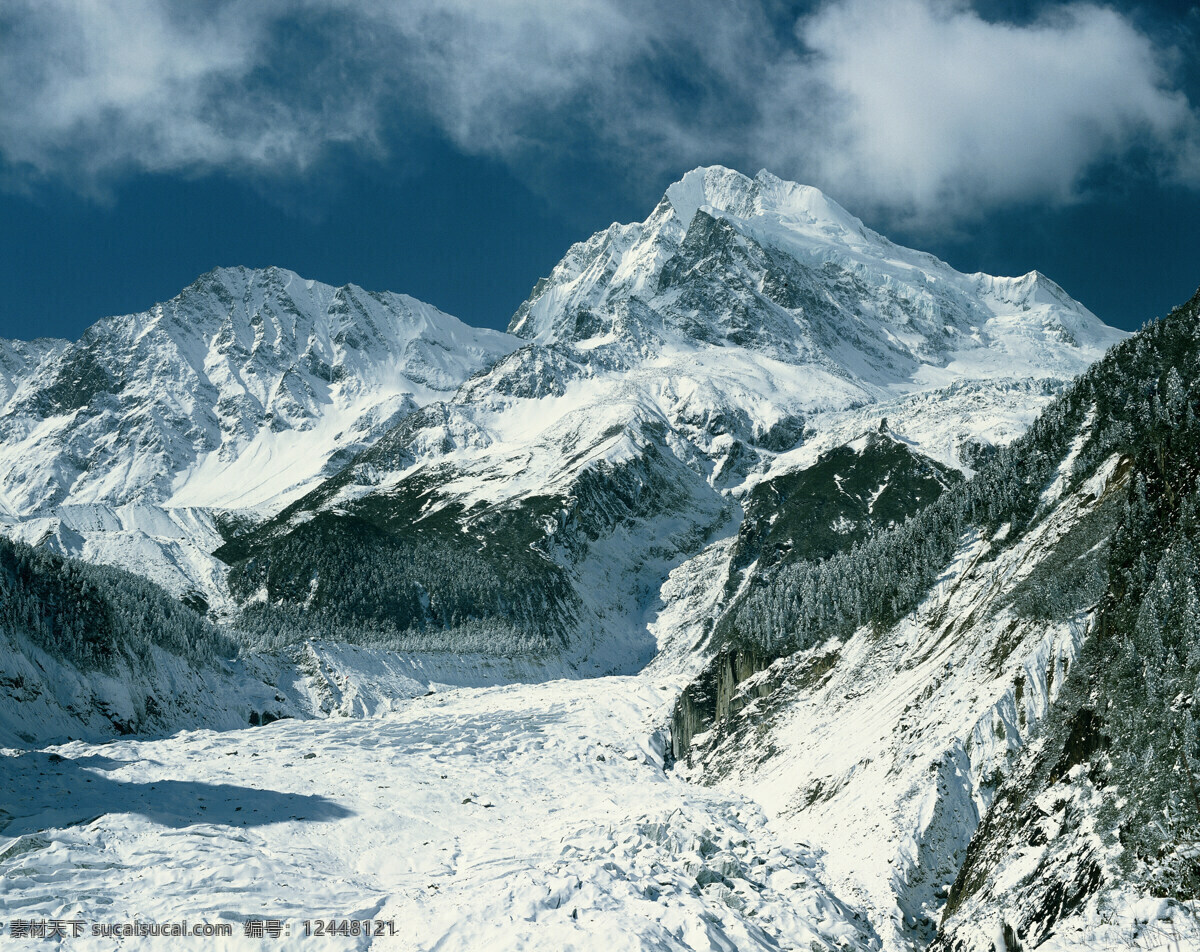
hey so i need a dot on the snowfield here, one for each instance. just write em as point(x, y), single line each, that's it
point(513, 816)
point(516, 817)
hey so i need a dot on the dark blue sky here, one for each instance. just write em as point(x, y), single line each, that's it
point(1002, 138)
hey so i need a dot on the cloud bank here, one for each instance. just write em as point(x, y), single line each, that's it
point(927, 105)
point(918, 108)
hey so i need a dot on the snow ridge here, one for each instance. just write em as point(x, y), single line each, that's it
point(237, 393)
point(807, 283)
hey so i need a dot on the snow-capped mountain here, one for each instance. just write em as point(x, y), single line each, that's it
point(129, 446)
point(903, 621)
point(238, 393)
point(746, 326)
point(489, 493)
point(782, 271)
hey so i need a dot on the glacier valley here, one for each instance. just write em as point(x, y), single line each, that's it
point(756, 590)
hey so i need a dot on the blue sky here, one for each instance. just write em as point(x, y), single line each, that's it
point(453, 150)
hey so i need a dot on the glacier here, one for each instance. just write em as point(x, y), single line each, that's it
point(660, 373)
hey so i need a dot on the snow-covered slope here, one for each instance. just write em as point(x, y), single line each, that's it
point(670, 363)
point(172, 546)
point(48, 699)
point(886, 751)
point(239, 393)
point(20, 358)
point(89, 652)
point(984, 716)
point(234, 397)
point(418, 821)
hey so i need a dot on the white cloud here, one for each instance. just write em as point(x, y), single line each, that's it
point(95, 87)
point(922, 104)
point(918, 107)
point(486, 69)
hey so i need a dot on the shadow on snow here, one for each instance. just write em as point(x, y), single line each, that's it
point(40, 790)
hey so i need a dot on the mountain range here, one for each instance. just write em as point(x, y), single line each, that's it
point(874, 524)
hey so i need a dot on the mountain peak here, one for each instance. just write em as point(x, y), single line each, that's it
point(242, 387)
point(781, 269)
point(732, 193)
point(624, 263)
point(714, 186)
point(238, 278)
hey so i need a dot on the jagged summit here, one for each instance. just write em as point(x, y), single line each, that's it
point(238, 391)
point(263, 306)
point(238, 280)
point(729, 192)
point(228, 292)
point(240, 276)
point(625, 260)
point(781, 269)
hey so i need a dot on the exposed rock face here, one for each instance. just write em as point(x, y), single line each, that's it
point(714, 697)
